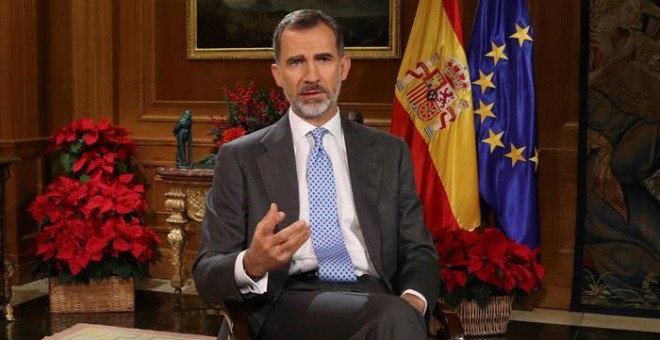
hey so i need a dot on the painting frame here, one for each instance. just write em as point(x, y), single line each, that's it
point(389, 50)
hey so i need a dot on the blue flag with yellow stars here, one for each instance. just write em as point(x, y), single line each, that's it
point(502, 74)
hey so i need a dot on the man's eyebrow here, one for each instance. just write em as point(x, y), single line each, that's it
point(295, 58)
point(325, 55)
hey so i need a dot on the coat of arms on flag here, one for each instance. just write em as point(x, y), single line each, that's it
point(433, 91)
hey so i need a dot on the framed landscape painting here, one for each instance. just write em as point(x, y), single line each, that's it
point(243, 29)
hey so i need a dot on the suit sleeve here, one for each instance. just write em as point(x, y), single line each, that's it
point(223, 231)
point(417, 256)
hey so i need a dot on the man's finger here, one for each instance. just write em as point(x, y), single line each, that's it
point(293, 236)
point(295, 228)
point(268, 222)
point(296, 240)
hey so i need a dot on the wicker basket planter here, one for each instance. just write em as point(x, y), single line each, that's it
point(108, 295)
point(493, 319)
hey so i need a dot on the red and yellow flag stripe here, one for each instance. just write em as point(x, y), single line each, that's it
point(433, 113)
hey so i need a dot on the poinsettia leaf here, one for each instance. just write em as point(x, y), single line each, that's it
point(119, 267)
point(46, 250)
point(79, 164)
point(66, 252)
point(139, 271)
point(124, 269)
point(453, 299)
point(76, 146)
point(64, 276)
point(66, 160)
point(121, 167)
point(86, 124)
point(125, 178)
point(45, 221)
point(95, 271)
point(84, 178)
point(120, 245)
point(91, 138)
point(482, 293)
point(110, 265)
point(42, 268)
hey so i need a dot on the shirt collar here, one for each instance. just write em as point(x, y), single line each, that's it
point(300, 128)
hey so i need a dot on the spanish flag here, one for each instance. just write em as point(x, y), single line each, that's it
point(433, 113)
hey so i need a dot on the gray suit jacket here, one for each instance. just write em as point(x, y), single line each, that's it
point(258, 169)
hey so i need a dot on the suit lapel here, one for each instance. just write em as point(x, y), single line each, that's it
point(365, 171)
point(277, 167)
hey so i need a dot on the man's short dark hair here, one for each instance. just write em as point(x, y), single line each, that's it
point(304, 19)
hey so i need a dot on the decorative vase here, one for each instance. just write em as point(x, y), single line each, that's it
point(493, 319)
point(111, 294)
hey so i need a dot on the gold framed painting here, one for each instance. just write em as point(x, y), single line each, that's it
point(242, 29)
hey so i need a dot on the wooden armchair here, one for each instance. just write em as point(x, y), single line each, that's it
point(445, 324)
point(449, 325)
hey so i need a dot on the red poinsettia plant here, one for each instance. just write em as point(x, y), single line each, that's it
point(476, 265)
point(92, 215)
point(248, 109)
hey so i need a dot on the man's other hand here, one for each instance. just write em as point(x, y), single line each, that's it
point(270, 250)
point(415, 302)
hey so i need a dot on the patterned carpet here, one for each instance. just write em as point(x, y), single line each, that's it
point(91, 332)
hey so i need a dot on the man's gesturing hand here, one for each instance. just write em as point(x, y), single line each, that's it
point(271, 250)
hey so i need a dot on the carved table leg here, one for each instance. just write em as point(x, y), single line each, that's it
point(9, 274)
point(175, 203)
point(6, 265)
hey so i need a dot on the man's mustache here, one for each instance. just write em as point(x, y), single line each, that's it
point(314, 88)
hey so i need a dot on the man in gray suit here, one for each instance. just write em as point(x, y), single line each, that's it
point(262, 243)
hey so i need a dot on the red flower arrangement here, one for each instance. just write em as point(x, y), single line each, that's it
point(92, 217)
point(248, 109)
point(475, 265)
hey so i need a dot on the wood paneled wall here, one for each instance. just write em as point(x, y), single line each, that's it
point(557, 56)
point(125, 60)
point(21, 122)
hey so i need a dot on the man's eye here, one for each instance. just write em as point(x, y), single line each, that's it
point(295, 62)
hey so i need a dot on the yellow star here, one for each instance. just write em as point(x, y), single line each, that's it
point(516, 155)
point(535, 159)
point(521, 34)
point(494, 140)
point(497, 52)
point(484, 110)
point(485, 81)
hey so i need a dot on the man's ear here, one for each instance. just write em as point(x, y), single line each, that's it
point(345, 66)
point(275, 70)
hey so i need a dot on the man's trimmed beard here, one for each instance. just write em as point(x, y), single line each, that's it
point(316, 107)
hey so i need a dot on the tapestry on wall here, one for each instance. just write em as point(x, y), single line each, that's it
point(617, 266)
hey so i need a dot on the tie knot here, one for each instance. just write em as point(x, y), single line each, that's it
point(318, 134)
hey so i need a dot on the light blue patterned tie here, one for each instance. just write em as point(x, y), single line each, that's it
point(335, 265)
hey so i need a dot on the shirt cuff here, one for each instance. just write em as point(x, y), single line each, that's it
point(417, 294)
point(244, 282)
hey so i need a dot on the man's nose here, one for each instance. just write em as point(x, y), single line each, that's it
point(311, 74)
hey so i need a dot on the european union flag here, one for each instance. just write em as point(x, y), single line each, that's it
point(500, 59)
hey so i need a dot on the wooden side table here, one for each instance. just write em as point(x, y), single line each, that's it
point(7, 267)
point(185, 201)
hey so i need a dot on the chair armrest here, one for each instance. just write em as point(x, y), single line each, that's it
point(236, 319)
point(452, 328)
